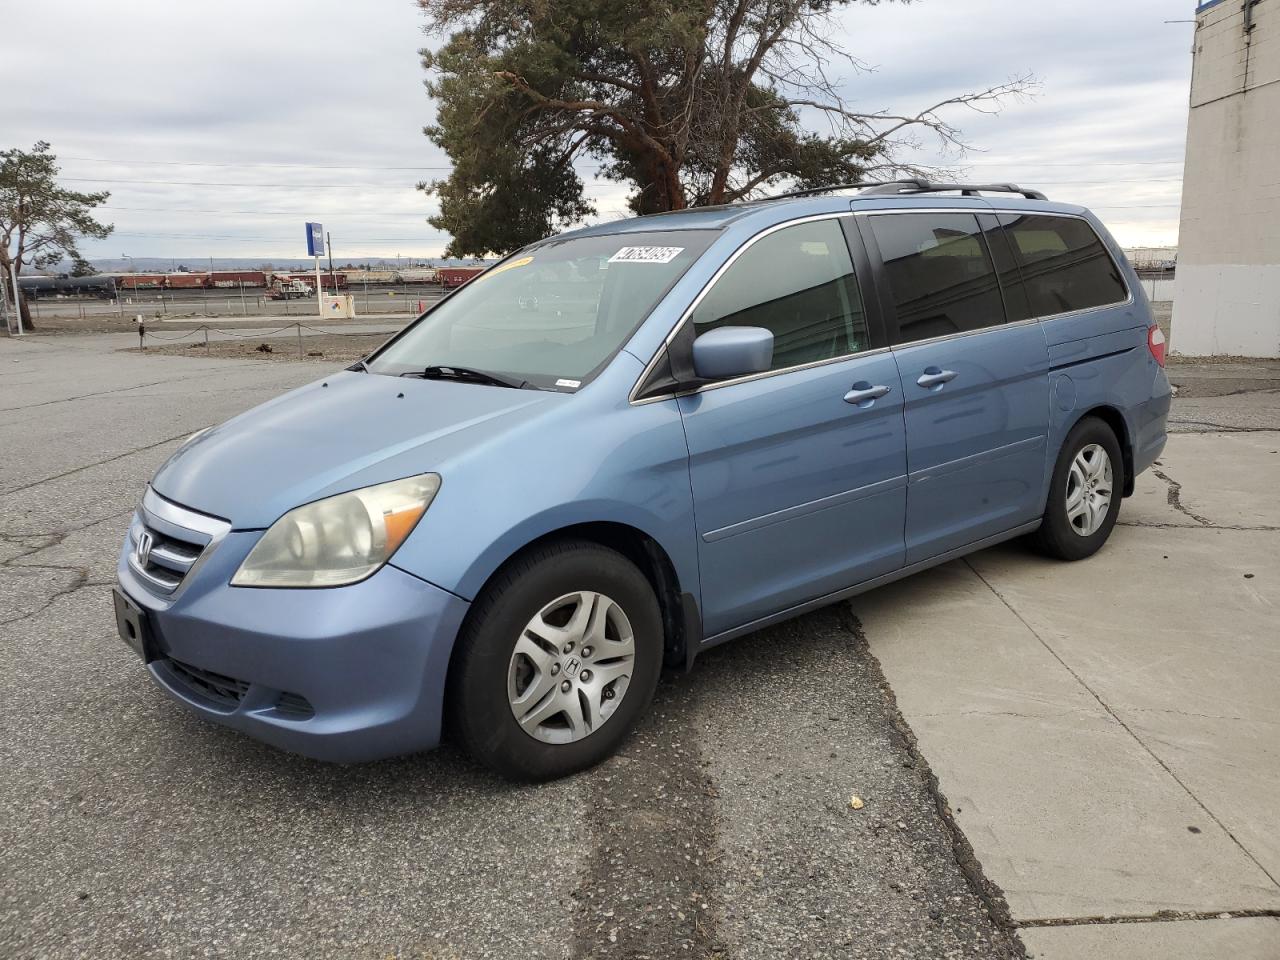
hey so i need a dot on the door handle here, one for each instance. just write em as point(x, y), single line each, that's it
point(935, 377)
point(862, 393)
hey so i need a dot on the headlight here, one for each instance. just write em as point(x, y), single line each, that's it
point(338, 540)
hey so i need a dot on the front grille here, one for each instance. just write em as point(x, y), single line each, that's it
point(167, 541)
point(229, 692)
point(294, 706)
point(167, 559)
point(224, 691)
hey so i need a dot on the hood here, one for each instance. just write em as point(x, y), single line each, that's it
point(345, 432)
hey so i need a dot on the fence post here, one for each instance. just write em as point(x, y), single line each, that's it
point(299, 326)
point(244, 311)
point(206, 338)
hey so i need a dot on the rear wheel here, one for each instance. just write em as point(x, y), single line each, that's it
point(558, 660)
point(1084, 495)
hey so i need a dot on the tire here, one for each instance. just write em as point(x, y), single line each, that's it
point(500, 665)
point(1069, 537)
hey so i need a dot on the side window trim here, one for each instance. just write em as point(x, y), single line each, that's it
point(871, 309)
point(883, 296)
point(868, 287)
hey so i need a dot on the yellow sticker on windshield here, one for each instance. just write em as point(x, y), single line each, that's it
point(503, 267)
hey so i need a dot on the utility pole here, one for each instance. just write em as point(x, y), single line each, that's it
point(333, 277)
point(17, 294)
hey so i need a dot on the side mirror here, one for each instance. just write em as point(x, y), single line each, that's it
point(732, 352)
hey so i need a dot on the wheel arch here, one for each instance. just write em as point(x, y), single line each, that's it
point(681, 618)
point(1114, 419)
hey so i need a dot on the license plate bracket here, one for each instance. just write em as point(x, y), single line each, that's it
point(131, 623)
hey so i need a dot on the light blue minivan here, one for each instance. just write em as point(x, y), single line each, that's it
point(626, 444)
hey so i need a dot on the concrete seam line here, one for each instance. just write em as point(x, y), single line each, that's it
point(1217, 427)
point(98, 463)
point(1160, 916)
point(84, 396)
point(1127, 729)
point(986, 890)
point(1234, 528)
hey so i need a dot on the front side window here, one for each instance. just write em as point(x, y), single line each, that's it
point(940, 274)
point(1063, 263)
point(797, 282)
point(551, 315)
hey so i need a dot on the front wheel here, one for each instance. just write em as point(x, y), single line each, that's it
point(1084, 494)
point(557, 661)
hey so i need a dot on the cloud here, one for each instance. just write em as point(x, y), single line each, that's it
point(314, 110)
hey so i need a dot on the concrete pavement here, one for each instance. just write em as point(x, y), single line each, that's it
point(1108, 732)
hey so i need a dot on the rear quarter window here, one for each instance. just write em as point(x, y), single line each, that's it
point(1063, 263)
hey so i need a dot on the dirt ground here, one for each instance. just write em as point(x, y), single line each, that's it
point(323, 348)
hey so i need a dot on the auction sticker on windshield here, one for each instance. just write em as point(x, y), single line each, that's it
point(646, 254)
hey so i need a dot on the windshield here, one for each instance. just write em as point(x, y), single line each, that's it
point(552, 314)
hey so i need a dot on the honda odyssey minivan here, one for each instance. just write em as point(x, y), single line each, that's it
point(623, 445)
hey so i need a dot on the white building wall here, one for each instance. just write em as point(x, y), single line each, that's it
point(1228, 278)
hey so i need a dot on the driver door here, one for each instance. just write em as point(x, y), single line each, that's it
point(798, 473)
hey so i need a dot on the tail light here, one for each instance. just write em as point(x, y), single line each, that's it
point(1155, 343)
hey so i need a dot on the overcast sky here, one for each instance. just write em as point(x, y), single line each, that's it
point(220, 128)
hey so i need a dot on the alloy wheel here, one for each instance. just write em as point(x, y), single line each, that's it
point(1089, 489)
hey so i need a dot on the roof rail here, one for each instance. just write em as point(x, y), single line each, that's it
point(900, 187)
point(813, 191)
point(915, 185)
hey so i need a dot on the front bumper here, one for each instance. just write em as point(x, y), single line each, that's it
point(342, 674)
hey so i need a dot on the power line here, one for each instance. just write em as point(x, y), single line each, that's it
point(325, 166)
point(284, 186)
point(209, 236)
point(1066, 163)
point(1132, 206)
point(210, 183)
point(266, 213)
point(255, 163)
point(247, 163)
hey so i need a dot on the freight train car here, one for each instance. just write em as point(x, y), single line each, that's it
point(238, 278)
point(187, 281)
point(309, 278)
point(451, 277)
point(140, 281)
point(37, 288)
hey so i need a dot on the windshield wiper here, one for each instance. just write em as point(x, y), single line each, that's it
point(359, 367)
point(467, 374)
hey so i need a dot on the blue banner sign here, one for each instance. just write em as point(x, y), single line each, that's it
point(315, 240)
